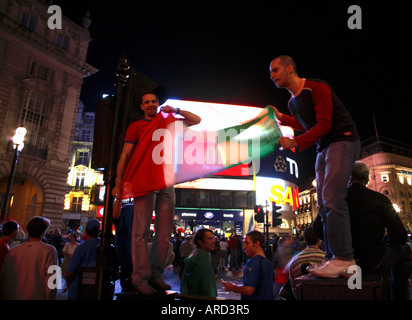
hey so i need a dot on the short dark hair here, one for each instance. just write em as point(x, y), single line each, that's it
point(9, 227)
point(309, 236)
point(37, 226)
point(256, 236)
point(200, 235)
point(286, 61)
point(145, 91)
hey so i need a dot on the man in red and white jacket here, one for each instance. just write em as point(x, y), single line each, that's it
point(318, 112)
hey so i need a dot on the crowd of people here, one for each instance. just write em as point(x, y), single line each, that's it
point(227, 252)
point(29, 270)
point(354, 226)
point(196, 259)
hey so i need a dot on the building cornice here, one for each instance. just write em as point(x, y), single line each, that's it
point(28, 37)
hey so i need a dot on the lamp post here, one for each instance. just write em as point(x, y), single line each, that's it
point(105, 289)
point(18, 145)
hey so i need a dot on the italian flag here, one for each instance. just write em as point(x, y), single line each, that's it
point(173, 153)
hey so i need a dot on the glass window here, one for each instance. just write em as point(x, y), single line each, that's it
point(33, 117)
point(83, 158)
point(80, 178)
point(86, 135)
point(42, 72)
point(63, 41)
point(77, 204)
point(29, 21)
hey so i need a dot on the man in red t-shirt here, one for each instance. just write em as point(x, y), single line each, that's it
point(135, 171)
point(233, 257)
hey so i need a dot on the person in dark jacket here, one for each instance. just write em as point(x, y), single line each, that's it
point(379, 238)
point(370, 214)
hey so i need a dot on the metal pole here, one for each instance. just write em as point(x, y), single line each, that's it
point(267, 248)
point(105, 250)
point(376, 128)
point(6, 200)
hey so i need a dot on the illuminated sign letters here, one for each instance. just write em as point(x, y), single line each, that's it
point(209, 215)
point(185, 214)
point(280, 165)
point(282, 197)
point(278, 191)
point(293, 167)
point(204, 215)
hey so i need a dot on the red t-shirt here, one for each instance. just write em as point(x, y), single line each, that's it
point(142, 174)
point(4, 252)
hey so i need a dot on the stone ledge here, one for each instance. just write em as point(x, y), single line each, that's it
point(310, 287)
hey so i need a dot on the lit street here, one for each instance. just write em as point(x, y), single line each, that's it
point(132, 132)
point(174, 281)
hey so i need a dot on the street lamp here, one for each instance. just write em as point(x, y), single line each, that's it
point(18, 144)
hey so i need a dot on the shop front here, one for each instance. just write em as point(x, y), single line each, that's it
point(221, 222)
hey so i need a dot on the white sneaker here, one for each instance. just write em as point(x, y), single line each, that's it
point(334, 268)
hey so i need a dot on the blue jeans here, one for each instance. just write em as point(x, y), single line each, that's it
point(122, 240)
point(333, 169)
point(151, 265)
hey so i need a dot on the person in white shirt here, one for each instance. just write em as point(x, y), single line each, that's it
point(186, 248)
point(223, 253)
point(67, 251)
point(25, 273)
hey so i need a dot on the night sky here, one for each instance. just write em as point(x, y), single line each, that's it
point(221, 52)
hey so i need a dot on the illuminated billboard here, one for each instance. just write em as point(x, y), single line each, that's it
point(218, 184)
point(216, 116)
point(282, 192)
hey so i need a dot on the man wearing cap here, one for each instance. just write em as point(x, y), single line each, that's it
point(85, 255)
point(137, 155)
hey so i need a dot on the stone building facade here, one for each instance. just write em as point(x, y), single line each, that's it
point(390, 165)
point(41, 75)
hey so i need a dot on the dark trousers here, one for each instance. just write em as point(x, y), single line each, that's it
point(397, 261)
point(123, 236)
